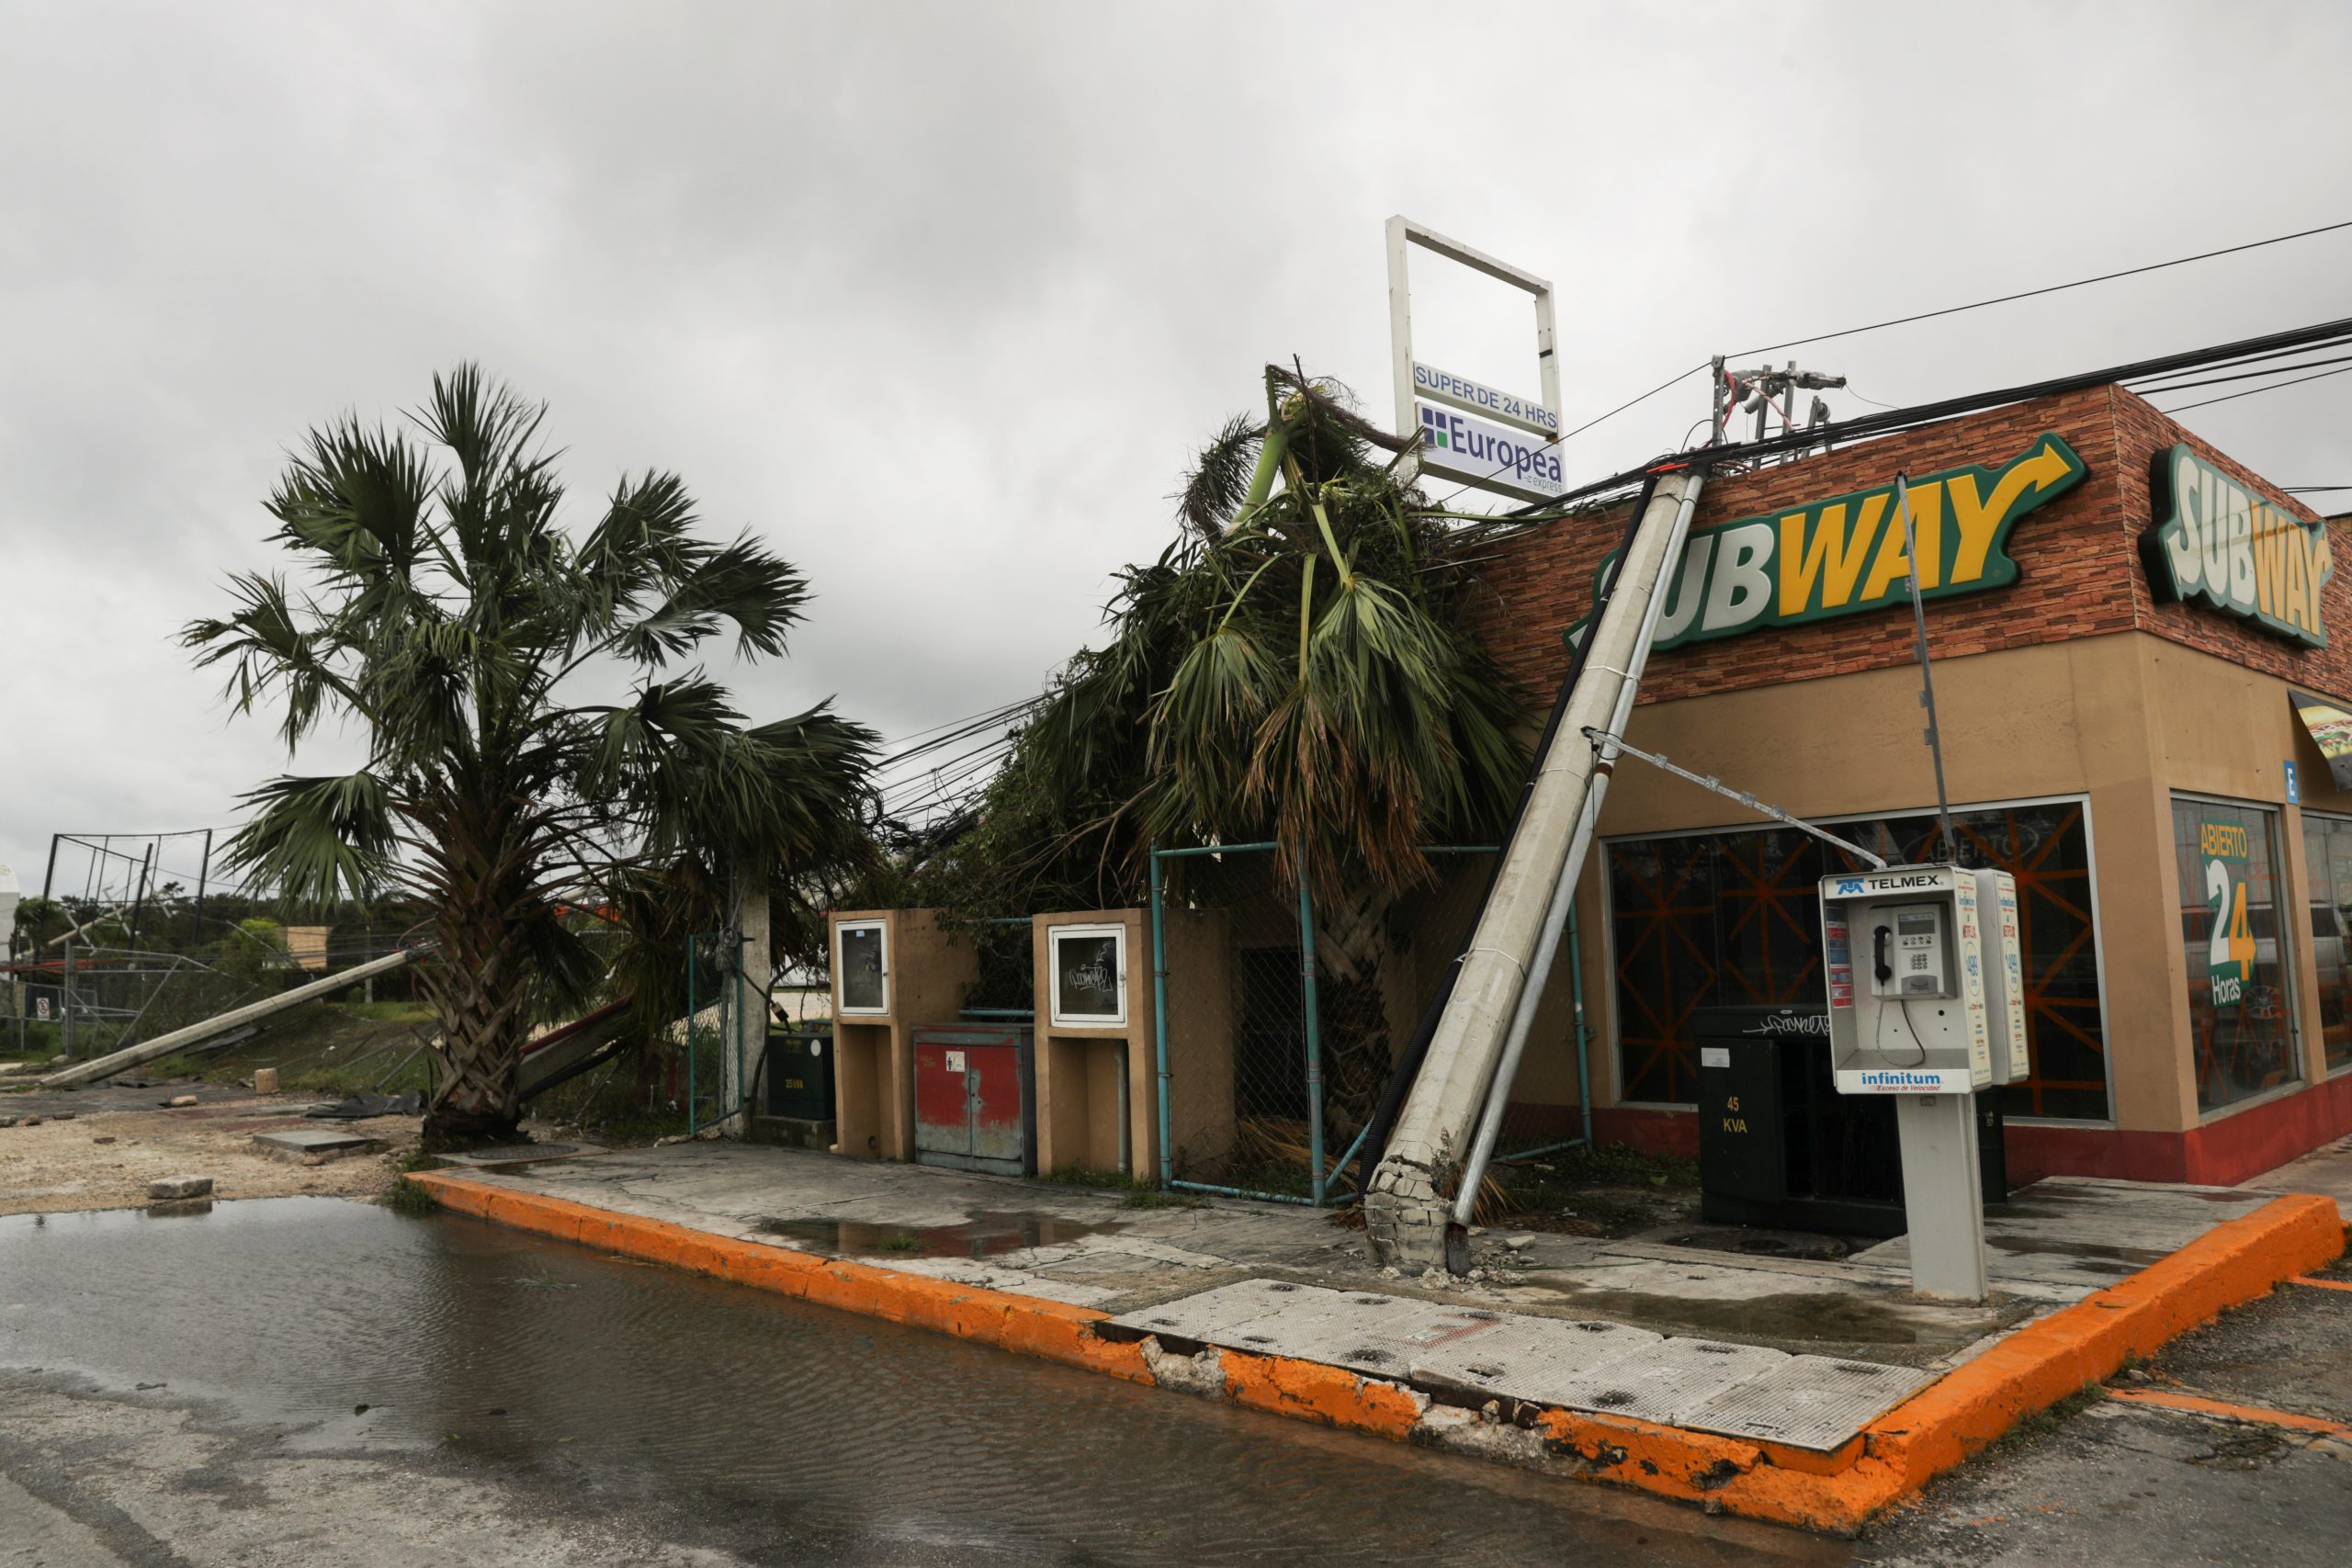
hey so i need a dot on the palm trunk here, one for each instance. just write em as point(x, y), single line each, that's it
point(479, 986)
point(1352, 942)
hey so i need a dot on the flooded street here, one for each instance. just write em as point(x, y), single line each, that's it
point(351, 1370)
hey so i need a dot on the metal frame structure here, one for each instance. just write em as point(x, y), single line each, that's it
point(1320, 1168)
point(96, 889)
point(1403, 234)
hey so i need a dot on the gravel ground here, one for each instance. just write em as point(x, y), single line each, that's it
point(104, 1158)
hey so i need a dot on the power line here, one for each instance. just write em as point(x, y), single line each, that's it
point(2052, 288)
point(1904, 321)
point(2294, 340)
point(2251, 390)
point(2241, 375)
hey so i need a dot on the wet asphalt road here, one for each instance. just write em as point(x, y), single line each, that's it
point(315, 1381)
point(321, 1382)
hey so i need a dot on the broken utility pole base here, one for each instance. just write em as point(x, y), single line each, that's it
point(1408, 1202)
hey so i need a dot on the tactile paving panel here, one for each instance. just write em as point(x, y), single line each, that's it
point(1666, 1381)
point(1368, 1332)
point(1530, 1357)
point(1219, 1316)
point(1812, 1402)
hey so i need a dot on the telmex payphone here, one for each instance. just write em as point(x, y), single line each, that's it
point(1926, 1002)
point(1926, 980)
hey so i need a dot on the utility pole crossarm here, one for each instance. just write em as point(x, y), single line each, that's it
point(1609, 746)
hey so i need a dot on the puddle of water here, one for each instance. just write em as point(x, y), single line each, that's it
point(981, 1234)
point(1808, 1316)
point(2138, 1258)
point(795, 1434)
point(1769, 1244)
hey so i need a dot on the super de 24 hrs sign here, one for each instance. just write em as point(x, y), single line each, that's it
point(1844, 554)
point(2215, 540)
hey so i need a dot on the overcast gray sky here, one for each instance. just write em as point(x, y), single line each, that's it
point(938, 297)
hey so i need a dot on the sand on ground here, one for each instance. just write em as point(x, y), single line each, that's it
point(104, 1159)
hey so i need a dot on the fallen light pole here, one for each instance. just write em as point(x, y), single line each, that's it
point(252, 1012)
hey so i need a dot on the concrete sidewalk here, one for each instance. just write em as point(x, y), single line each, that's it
point(1559, 1352)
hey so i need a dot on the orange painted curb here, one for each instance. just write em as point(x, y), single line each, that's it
point(1938, 1427)
point(2320, 1284)
point(2259, 1414)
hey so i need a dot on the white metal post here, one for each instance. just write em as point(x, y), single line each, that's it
point(1400, 339)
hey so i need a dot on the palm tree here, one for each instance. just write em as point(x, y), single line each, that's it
point(1301, 666)
point(448, 615)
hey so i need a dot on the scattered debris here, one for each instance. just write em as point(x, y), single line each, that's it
point(177, 1100)
point(315, 1145)
point(264, 1080)
point(102, 1138)
point(173, 1188)
point(361, 1107)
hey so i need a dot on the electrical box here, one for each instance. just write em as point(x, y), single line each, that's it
point(1926, 980)
point(975, 1098)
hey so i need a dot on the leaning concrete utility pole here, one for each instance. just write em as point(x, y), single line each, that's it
point(740, 1063)
point(1407, 1200)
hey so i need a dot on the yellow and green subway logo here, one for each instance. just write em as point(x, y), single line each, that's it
point(2216, 540)
point(1844, 555)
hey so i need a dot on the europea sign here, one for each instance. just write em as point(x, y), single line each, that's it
point(1844, 555)
point(2216, 540)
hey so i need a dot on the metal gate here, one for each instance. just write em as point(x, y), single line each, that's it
point(1278, 1022)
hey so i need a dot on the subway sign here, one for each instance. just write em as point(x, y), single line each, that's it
point(2215, 540)
point(1844, 555)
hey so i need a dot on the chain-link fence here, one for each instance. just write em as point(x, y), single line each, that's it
point(712, 982)
point(1282, 1017)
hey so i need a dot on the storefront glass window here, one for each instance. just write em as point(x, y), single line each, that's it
point(2240, 954)
point(2328, 859)
point(1725, 919)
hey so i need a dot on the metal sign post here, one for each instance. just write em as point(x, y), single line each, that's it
point(1487, 437)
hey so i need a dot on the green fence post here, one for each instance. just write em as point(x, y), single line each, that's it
point(1159, 1017)
point(1314, 1032)
point(694, 1013)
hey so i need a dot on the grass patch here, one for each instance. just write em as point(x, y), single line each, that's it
point(407, 1198)
point(1612, 1164)
point(1150, 1198)
point(628, 1127)
point(901, 1242)
point(1102, 1180)
point(2041, 1423)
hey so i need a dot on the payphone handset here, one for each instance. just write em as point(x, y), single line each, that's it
point(1911, 951)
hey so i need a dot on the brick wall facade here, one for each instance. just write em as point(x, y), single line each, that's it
point(2079, 572)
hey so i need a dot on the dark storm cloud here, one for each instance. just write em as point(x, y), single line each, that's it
point(938, 298)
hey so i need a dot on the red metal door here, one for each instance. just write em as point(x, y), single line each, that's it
point(995, 1100)
point(942, 1099)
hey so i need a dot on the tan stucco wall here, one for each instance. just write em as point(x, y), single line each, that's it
point(873, 1062)
point(2124, 719)
point(1079, 1108)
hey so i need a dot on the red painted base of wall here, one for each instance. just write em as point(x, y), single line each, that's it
point(2219, 1154)
point(1669, 1135)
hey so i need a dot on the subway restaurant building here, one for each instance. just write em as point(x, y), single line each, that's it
point(2136, 642)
